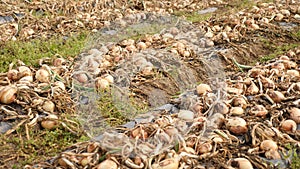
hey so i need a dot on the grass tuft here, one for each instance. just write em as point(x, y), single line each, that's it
point(31, 51)
point(193, 16)
point(41, 145)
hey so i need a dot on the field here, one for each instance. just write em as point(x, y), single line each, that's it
point(150, 84)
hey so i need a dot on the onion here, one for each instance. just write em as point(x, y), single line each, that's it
point(289, 64)
point(171, 131)
point(8, 94)
point(141, 45)
point(42, 75)
point(49, 124)
point(139, 132)
point(101, 84)
point(127, 42)
point(81, 77)
point(291, 53)
point(216, 138)
point(48, 106)
point(209, 34)
point(254, 72)
point(170, 163)
point(239, 101)
point(267, 145)
point(285, 12)
point(131, 48)
point(204, 148)
point(276, 96)
point(278, 65)
point(12, 74)
point(252, 89)
point(284, 57)
point(288, 126)
point(105, 63)
point(203, 88)
point(272, 155)
point(197, 108)
point(267, 83)
point(24, 71)
point(59, 61)
point(254, 26)
point(109, 78)
point(274, 71)
point(293, 73)
point(241, 163)
point(52, 116)
point(237, 111)
point(259, 111)
point(26, 79)
point(222, 108)
point(60, 85)
point(279, 17)
point(237, 125)
point(107, 164)
point(85, 161)
point(295, 115)
point(215, 121)
point(248, 81)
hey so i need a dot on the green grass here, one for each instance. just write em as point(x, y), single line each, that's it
point(276, 50)
point(296, 34)
point(292, 153)
point(31, 51)
point(41, 145)
point(193, 16)
point(116, 110)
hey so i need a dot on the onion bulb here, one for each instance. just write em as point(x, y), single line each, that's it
point(48, 106)
point(252, 89)
point(42, 76)
point(101, 83)
point(237, 125)
point(171, 163)
point(12, 74)
point(8, 94)
point(59, 61)
point(295, 115)
point(259, 111)
point(276, 96)
point(107, 164)
point(49, 124)
point(272, 155)
point(288, 126)
point(81, 77)
point(204, 148)
point(293, 73)
point(241, 163)
point(203, 88)
point(24, 71)
point(239, 101)
point(237, 111)
point(267, 145)
point(109, 78)
point(141, 45)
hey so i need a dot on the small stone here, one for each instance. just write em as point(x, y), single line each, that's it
point(186, 115)
point(4, 127)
